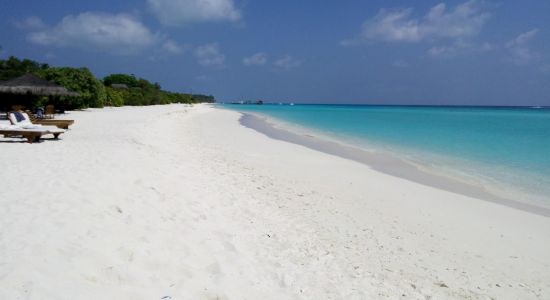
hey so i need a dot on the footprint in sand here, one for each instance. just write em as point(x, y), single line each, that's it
point(26, 289)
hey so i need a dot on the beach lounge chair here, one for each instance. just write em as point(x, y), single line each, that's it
point(32, 135)
point(63, 124)
point(24, 127)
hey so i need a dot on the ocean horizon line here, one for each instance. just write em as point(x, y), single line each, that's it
point(395, 105)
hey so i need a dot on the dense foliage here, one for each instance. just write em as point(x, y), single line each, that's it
point(13, 67)
point(91, 91)
point(114, 97)
point(139, 91)
point(128, 80)
point(113, 90)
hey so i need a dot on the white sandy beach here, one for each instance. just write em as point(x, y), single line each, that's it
point(175, 202)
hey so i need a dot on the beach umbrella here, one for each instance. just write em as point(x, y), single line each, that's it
point(30, 84)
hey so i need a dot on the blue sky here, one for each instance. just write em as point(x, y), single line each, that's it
point(473, 52)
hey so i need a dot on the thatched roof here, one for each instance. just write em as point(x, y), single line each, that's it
point(31, 84)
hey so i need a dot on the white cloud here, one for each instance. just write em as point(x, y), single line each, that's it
point(287, 62)
point(464, 21)
point(258, 59)
point(392, 25)
point(209, 55)
point(173, 47)
point(523, 38)
point(113, 33)
point(520, 50)
point(179, 12)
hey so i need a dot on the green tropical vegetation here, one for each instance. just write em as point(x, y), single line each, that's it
point(14, 67)
point(113, 90)
point(91, 91)
point(138, 91)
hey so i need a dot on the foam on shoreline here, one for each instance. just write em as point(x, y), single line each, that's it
point(387, 163)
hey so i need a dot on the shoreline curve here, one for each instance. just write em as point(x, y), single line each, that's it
point(385, 163)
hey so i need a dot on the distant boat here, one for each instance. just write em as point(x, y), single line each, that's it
point(291, 104)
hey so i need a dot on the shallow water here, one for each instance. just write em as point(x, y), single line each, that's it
point(506, 149)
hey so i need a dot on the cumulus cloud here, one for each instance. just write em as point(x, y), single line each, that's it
point(287, 62)
point(179, 12)
point(519, 48)
point(398, 25)
point(466, 20)
point(209, 55)
point(258, 59)
point(114, 33)
point(392, 25)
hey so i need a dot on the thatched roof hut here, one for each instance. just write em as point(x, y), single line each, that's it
point(33, 85)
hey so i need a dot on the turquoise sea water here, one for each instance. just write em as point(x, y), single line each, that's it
point(506, 148)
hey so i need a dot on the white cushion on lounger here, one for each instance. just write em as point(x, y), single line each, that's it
point(8, 127)
point(13, 119)
point(29, 126)
point(48, 128)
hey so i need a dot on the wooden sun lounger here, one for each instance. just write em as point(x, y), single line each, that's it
point(30, 135)
point(26, 129)
point(63, 124)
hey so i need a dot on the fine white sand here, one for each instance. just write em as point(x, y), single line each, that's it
point(173, 202)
